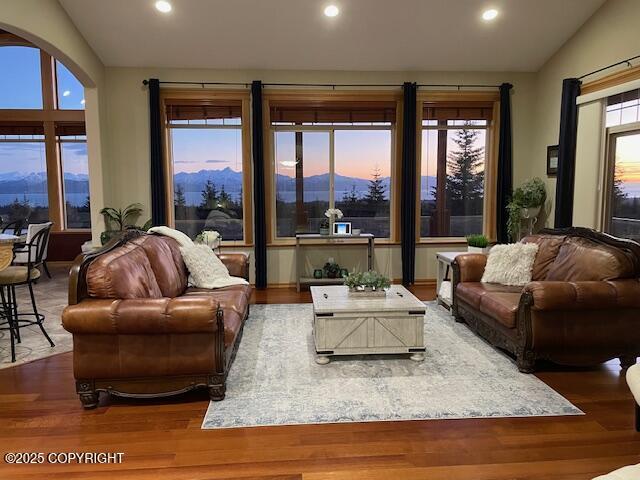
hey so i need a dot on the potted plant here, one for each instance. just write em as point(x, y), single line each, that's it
point(117, 220)
point(327, 225)
point(324, 227)
point(211, 238)
point(477, 244)
point(525, 205)
point(331, 269)
point(371, 283)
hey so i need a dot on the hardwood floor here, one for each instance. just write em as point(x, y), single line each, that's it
point(40, 412)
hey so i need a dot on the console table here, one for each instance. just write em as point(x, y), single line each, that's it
point(316, 240)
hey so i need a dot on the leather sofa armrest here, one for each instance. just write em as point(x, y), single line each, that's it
point(584, 295)
point(471, 266)
point(189, 314)
point(236, 263)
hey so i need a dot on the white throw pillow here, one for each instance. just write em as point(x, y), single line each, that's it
point(206, 269)
point(510, 264)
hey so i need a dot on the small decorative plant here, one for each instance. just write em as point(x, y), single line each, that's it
point(525, 203)
point(331, 269)
point(333, 212)
point(478, 241)
point(210, 238)
point(118, 220)
point(371, 281)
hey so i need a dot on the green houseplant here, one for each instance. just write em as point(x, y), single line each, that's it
point(369, 283)
point(331, 270)
point(477, 243)
point(525, 204)
point(118, 220)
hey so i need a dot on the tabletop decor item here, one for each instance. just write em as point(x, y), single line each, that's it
point(317, 273)
point(367, 284)
point(211, 238)
point(326, 225)
point(525, 205)
point(477, 244)
point(331, 269)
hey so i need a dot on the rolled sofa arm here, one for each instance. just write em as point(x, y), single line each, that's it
point(584, 295)
point(190, 314)
point(471, 266)
point(236, 263)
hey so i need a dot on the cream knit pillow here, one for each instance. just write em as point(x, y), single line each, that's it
point(206, 270)
point(510, 264)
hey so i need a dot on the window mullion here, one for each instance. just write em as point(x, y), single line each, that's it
point(331, 168)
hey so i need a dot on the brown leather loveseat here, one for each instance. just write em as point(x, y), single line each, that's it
point(582, 306)
point(139, 331)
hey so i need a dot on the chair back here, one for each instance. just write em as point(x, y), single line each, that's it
point(33, 229)
point(15, 227)
point(39, 243)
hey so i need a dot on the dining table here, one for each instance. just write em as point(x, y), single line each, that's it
point(7, 243)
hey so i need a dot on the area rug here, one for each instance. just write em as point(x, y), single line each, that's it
point(275, 380)
point(51, 298)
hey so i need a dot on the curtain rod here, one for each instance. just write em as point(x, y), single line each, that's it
point(326, 85)
point(622, 62)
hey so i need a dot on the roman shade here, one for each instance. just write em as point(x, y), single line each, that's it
point(457, 111)
point(333, 111)
point(180, 110)
point(37, 128)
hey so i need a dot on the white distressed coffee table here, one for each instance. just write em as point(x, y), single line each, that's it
point(350, 325)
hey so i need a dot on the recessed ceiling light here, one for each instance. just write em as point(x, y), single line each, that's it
point(331, 11)
point(490, 14)
point(163, 6)
point(288, 163)
point(66, 93)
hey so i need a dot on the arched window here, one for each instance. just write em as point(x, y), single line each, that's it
point(43, 154)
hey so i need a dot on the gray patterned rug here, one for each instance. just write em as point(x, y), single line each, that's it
point(275, 380)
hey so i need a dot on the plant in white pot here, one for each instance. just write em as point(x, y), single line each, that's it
point(477, 244)
point(326, 226)
point(367, 284)
point(525, 204)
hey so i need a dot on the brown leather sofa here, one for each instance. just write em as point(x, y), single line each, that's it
point(139, 331)
point(582, 306)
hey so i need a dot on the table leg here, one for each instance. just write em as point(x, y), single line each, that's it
point(417, 357)
point(322, 359)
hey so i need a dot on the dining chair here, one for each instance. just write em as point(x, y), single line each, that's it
point(16, 275)
point(22, 253)
point(15, 227)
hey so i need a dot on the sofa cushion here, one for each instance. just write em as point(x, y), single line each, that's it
point(581, 259)
point(501, 306)
point(548, 248)
point(166, 262)
point(472, 292)
point(124, 272)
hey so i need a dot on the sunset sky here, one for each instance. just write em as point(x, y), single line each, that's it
point(628, 158)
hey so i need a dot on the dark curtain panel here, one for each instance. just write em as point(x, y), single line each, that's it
point(260, 227)
point(158, 190)
point(408, 193)
point(505, 165)
point(567, 153)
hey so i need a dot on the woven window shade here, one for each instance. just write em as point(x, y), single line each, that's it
point(623, 97)
point(70, 129)
point(333, 112)
point(21, 128)
point(458, 111)
point(199, 110)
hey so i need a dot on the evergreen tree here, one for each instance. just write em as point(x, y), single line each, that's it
point(209, 196)
point(619, 195)
point(376, 188)
point(350, 196)
point(179, 198)
point(224, 199)
point(465, 176)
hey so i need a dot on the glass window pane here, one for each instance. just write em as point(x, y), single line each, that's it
point(75, 171)
point(70, 90)
point(302, 181)
point(207, 181)
point(452, 182)
point(23, 182)
point(20, 83)
point(362, 182)
point(625, 211)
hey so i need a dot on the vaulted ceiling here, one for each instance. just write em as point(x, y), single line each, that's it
point(294, 34)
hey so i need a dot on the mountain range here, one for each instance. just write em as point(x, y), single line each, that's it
point(36, 182)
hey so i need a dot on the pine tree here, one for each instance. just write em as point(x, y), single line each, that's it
point(179, 199)
point(209, 196)
point(350, 196)
point(224, 199)
point(376, 188)
point(619, 195)
point(465, 175)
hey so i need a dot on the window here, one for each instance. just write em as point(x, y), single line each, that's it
point(452, 180)
point(332, 155)
point(43, 154)
point(623, 108)
point(622, 206)
point(20, 82)
point(75, 174)
point(207, 155)
point(69, 90)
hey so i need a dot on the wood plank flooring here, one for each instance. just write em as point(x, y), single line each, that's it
point(39, 412)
